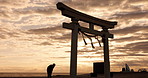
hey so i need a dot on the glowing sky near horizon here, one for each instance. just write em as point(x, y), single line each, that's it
point(32, 37)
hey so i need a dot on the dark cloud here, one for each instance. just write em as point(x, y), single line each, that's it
point(130, 54)
point(85, 50)
point(129, 30)
point(47, 11)
point(2, 36)
point(131, 38)
point(53, 33)
point(11, 12)
point(11, 2)
point(131, 15)
point(139, 46)
point(87, 4)
point(96, 49)
point(4, 14)
point(133, 48)
point(60, 57)
point(40, 10)
point(5, 2)
point(6, 33)
point(89, 56)
point(64, 37)
point(45, 43)
point(136, 1)
point(38, 2)
point(67, 37)
point(49, 30)
point(138, 64)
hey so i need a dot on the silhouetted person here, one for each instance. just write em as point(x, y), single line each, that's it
point(50, 69)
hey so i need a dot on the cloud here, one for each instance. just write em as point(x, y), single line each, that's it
point(134, 64)
point(92, 4)
point(64, 37)
point(131, 38)
point(7, 33)
point(130, 54)
point(4, 14)
point(57, 34)
point(137, 1)
point(136, 47)
point(2, 36)
point(131, 15)
point(39, 10)
point(48, 30)
point(45, 43)
point(139, 46)
point(106, 5)
point(4, 2)
point(19, 8)
point(129, 30)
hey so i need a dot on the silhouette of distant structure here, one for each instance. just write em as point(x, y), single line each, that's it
point(127, 69)
point(123, 69)
point(98, 70)
point(132, 70)
point(50, 69)
point(127, 72)
point(142, 70)
point(98, 67)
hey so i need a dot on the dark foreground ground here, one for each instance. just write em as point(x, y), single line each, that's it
point(115, 75)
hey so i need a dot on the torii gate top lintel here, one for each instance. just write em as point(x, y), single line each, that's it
point(69, 12)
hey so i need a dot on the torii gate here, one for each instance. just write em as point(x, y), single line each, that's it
point(75, 27)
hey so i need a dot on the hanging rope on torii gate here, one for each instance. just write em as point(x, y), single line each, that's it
point(89, 37)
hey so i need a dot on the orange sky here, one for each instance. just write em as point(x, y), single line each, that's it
point(32, 36)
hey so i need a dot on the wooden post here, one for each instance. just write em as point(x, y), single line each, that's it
point(74, 40)
point(106, 54)
point(91, 26)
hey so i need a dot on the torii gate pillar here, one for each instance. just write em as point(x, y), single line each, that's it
point(106, 54)
point(74, 41)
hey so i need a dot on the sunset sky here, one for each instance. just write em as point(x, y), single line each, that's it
point(32, 37)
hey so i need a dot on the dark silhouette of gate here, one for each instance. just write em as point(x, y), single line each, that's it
point(75, 27)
